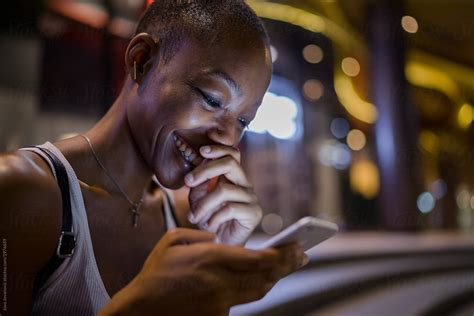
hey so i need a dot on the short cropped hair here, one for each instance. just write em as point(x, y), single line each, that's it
point(203, 20)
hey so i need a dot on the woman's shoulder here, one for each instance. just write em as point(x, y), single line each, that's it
point(30, 203)
point(25, 172)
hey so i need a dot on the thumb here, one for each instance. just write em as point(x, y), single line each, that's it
point(180, 236)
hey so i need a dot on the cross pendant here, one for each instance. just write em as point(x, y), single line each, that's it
point(136, 215)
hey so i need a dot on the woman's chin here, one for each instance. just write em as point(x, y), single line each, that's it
point(172, 183)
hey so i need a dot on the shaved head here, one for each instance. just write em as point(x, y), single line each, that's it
point(207, 21)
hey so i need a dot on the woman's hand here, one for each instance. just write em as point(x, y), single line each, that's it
point(231, 209)
point(187, 274)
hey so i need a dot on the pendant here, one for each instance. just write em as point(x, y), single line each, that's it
point(136, 215)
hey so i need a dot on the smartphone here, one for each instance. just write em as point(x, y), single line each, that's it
point(308, 231)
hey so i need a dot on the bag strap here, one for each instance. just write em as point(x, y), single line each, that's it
point(67, 239)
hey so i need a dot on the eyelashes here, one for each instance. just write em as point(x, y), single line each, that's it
point(216, 104)
point(209, 100)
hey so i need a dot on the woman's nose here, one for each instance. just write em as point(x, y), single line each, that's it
point(224, 135)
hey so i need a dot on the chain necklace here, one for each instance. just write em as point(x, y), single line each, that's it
point(135, 206)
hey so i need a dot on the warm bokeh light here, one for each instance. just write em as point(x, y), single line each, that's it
point(365, 178)
point(352, 102)
point(465, 115)
point(429, 141)
point(313, 89)
point(350, 66)
point(409, 24)
point(313, 54)
point(356, 139)
point(272, 223)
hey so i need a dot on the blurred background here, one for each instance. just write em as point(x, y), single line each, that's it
point(367, 123)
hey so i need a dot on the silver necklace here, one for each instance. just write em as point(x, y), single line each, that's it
point(135, 206)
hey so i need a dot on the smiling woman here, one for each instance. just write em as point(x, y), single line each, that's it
point(197, 73)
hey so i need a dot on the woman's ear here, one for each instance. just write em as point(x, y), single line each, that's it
point(139, 56)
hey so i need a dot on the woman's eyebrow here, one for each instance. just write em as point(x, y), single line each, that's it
point(235, 87)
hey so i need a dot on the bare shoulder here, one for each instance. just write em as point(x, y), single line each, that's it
point(30, 222)
point(25, 179)
point(30, 208)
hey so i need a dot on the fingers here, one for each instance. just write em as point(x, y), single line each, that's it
point(238, 258)
point(247, 216)
point(218, 151)
point(292, 258)
point(226, 166)
point(223, 193)
point(179, 236)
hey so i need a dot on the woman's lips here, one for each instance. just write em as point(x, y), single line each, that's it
point(186, 151)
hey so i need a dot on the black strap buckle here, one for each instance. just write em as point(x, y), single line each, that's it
point(66, 245)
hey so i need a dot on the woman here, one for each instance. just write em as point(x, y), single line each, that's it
point(198, 71)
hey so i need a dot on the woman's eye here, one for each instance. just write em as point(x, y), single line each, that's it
point(209, 100)
point(243, 122)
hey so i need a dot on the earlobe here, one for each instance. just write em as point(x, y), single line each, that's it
point(140, 55)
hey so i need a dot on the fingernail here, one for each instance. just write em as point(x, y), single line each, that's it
point(305, 261)
point(205, 149)
point(189, 178)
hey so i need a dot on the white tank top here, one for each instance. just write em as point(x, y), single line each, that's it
point(76, 287)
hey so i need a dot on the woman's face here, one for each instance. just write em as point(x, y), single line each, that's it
point(203, 95)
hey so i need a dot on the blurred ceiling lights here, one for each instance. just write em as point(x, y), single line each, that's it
point(419, 69)
point(346, 93)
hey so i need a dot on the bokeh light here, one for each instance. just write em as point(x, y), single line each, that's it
point(335, 154)
point(350, 66)
point(425, 202)
point(313, 54)
point(340, 127)
point(465, 115)
point(356, 139)
point(409, 24)
point(439, 188)
point(365, 178)
point(313, 89)
point(277, 116)
point(272, 223)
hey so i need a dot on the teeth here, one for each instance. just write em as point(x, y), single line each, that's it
point(187, 152)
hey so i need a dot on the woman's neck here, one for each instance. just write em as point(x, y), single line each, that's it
point(115, 148)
